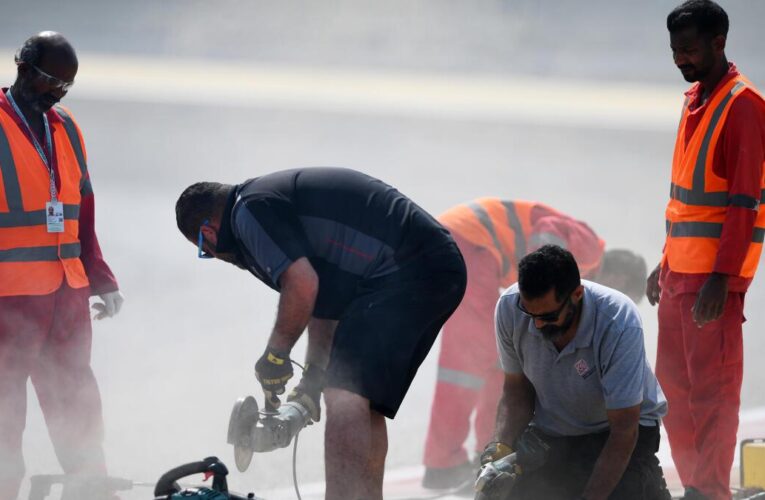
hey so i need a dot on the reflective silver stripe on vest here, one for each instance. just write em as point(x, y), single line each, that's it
point(515, 225)
point(459, 378)
point(8, 172)
point(707, 230)
point(694, 197)
point(40, 254)
point(697, 195)
point(35, 217)
point(86, 188)
point(74, 140)
point(485, 219)
point(715, 198)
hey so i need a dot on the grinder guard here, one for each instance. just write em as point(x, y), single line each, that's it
point(250, 430)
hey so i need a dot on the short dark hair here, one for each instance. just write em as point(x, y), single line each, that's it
point(547, 268)
point(198, 202)
point(706, 16)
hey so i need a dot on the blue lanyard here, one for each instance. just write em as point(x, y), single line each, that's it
point(36, 143)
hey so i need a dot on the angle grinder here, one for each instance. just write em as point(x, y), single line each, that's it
point(251, 430)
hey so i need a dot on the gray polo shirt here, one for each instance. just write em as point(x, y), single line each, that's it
point(603, 368)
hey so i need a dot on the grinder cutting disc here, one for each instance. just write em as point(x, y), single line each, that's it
point(243, 417)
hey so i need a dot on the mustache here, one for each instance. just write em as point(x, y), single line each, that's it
point(552, 332)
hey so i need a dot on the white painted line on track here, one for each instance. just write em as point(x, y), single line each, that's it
point(546, 101)
point(752, 425)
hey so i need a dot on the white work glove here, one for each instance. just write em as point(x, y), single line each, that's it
point(111, 305)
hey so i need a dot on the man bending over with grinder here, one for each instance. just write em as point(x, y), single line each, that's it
point(370, 274)
point(577, 378)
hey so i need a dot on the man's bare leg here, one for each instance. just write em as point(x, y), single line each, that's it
point(352, 436)
point(376, 467)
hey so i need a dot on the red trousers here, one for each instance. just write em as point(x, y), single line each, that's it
point(47, 339)
point(469, 377)
point(700, 371)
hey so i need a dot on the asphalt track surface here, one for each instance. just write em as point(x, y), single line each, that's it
point(441, 129)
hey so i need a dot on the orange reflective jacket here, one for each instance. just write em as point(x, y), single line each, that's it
point(504, 229)
point(699, 198)
point(32, 260)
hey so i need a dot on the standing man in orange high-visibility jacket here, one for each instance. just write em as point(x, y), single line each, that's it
point(715, 228)
point(493, 235)
point(50, 264)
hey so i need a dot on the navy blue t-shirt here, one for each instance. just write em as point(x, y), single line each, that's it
point(351, 227)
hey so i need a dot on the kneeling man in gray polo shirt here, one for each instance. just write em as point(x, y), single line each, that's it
point(576, 376)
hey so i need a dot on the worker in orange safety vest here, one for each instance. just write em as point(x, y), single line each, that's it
point(715, 228)
point(50, 265)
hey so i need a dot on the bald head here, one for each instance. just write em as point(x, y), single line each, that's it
point(46, 67)
point(47, 45)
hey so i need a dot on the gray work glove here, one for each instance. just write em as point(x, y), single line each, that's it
point(112, 303)
point(308, 390)
point(532, 450)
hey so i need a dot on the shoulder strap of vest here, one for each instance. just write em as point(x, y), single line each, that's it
point(515, 224)
point(485, 219)
point(9, 175)
point(74, 140)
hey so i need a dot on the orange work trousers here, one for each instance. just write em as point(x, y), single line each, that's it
point(469, 378)
point(700, 371)
point(47, 338)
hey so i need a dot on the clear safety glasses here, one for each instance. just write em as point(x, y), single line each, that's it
point(51, 80)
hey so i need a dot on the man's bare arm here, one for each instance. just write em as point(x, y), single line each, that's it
point(299, 287)
point(616, 454)
point(515, 409)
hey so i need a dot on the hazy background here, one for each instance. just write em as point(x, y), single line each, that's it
point(570, 103)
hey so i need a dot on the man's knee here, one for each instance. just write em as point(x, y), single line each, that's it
point(642, 480)
point(341, 402)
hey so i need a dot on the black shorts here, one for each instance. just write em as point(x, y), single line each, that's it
point(388, 329)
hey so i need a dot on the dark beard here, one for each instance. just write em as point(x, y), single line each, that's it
point(554, 332)
point(231, 258)
point(36, 102)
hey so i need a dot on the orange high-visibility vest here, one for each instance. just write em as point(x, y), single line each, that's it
point(32, 260)
point(699, 198)
point(503, 228)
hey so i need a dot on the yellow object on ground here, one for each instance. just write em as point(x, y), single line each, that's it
point(753, 463)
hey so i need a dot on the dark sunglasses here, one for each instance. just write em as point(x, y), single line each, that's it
point(548, 317)
point(200, 243)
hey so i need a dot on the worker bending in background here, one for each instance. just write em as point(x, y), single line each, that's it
point(50, 265)
point(715, 230)
point(493, 235)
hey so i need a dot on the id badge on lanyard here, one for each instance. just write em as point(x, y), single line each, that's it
point(54, 216)
point(54, 209)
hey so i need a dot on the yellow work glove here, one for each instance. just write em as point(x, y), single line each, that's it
point(494, 451)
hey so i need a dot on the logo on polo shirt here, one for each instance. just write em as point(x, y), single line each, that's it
point(582, 368)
